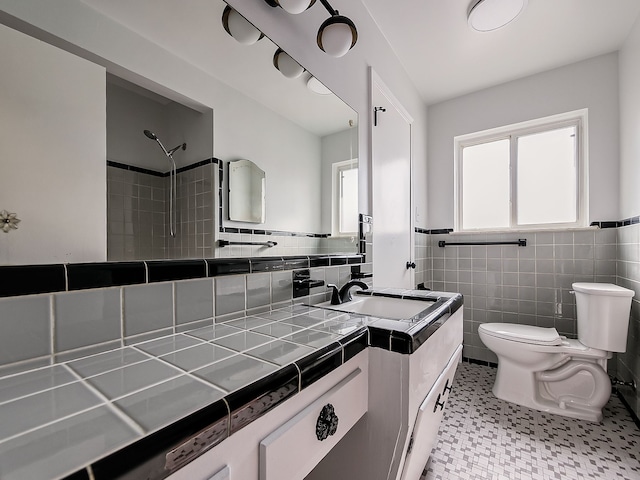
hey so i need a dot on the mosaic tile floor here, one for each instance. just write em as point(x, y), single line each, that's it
point(482, 437)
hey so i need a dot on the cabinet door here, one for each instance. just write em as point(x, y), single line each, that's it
point(425, 430)
point(294, 449)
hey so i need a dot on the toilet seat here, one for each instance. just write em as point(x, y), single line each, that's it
point(523, 333)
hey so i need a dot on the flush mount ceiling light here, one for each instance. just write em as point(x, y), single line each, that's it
point(239, 27)
point(287, 65)
point(488, 15)
point(337, 34)
point(292, 6)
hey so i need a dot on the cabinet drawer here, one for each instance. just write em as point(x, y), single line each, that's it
point(294, 449)
point(425, 430)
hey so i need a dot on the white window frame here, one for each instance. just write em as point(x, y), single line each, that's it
point(578, 118)
point(336, 168)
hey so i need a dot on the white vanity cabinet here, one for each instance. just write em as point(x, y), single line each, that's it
point(425, 429)
point(401, 388)
point(282, 444)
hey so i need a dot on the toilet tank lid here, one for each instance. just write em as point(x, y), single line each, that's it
point(603, 289)
point(522, 333)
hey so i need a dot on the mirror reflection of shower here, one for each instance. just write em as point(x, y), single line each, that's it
point(172, 180)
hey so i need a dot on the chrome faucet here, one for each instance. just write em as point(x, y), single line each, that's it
point(344, 295)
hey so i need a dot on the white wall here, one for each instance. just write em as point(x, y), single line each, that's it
point(129, 114)
point(591, 84)
point(52, 128)
point(629, 59)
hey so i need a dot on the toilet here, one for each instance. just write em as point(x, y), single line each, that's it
point(540, 369)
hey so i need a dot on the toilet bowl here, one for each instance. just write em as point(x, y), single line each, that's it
point(540, 369)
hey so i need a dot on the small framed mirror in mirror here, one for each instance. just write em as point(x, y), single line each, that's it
point(247, 191)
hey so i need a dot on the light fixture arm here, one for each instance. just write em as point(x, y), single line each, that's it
point(329, 8)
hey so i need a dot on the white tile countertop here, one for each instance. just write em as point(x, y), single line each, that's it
point(61, 418)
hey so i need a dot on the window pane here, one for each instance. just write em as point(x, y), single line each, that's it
point(349, 200)
point(547, 177)
point(485, 185)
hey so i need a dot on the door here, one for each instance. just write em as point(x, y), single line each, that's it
point(391, 190)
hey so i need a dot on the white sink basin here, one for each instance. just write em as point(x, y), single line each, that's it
point(383, 307)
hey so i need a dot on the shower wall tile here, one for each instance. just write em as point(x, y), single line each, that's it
point(628, 276)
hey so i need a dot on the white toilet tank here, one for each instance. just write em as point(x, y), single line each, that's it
point(603, 315)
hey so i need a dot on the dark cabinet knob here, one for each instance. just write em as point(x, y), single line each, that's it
point(411, 265)
point(438, 404)
point(327, 423)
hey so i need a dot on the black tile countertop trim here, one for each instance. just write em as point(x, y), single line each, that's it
point(228, 266)
point(32, 279)
point(249, 404)
point(324, 361)
point(20, 280)
point(266, 264)
point(99, 275)
point(167, 270)
point(182, 441)
point(146, 458)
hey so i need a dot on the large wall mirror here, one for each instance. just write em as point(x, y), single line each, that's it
point(163, 193)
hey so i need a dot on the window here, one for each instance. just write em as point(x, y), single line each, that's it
point(526, 176)
point(345, 198)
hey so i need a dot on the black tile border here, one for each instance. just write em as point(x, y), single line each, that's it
point(147, 171)
point(79, 475)
point(147, 457)
point(32, 279)
point(315, 366)
point(108, 274)
point(262, 396)
point(21, 280)
point(228, 266)
point(168, 270)
point(354, 343)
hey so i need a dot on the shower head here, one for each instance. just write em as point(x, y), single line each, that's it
point(168, 153)
point(151, 135)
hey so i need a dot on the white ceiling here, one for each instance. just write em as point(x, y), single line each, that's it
point(445, 58)
point(186, 30)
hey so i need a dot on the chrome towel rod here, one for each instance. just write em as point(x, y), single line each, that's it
point(521, 242)
point(224, 243)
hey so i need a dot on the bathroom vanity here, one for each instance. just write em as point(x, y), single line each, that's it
point(347, 395)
